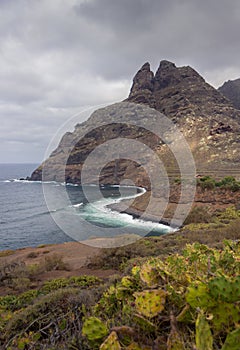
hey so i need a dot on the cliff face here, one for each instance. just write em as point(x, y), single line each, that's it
point(209, 122)
point(207, 119)
point(231, 90)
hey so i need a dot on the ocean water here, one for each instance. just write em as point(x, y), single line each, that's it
point(26, 220)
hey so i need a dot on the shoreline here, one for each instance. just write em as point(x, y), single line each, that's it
point(136, 214)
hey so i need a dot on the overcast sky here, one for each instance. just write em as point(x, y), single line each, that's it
point(58, 57)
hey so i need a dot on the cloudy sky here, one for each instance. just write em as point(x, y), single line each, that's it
point(59, 57)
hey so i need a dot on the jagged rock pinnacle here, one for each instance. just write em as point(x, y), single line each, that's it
point(143, 84)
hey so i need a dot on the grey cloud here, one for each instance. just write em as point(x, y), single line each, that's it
point(57, 57)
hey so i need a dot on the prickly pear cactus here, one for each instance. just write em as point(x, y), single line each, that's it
point(225, 315)
point(136, 270)
point(198, 296)
point(127, 282)
point(232, 341)
point(149, 275)
point(111, 343)
point(94, 329)
point(150, 303)
point(225, 289)
point(204, 339)
point(144, 324)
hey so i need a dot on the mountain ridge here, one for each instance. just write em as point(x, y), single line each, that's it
point(206, 118)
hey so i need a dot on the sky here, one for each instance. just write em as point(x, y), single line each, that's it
point(61, 57)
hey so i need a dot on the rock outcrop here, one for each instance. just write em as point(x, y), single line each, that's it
point(231, 90)
point(209, 122)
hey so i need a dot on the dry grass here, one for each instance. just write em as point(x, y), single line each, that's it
point(6, 253)
point(19, 277)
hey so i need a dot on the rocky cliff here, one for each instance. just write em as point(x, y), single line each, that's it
point(207, 118)
point(231, 90)
point(209, 122)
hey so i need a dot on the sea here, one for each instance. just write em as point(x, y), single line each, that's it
point(36, 213)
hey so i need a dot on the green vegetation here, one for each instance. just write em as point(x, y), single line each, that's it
point(176, 292)
point(228, 182)
point(181, 301)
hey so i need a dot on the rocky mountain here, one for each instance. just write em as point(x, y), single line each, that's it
point(231, 90)
point(139, 140)
point(208, 121)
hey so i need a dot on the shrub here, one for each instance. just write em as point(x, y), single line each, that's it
point(207, 182)
point(55, 262)
point(32, 255)
point(198, 215)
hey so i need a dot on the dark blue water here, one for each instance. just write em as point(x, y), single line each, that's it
point(25, 219)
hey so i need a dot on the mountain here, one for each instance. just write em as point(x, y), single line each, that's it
point(208, 121)
point(231, 90)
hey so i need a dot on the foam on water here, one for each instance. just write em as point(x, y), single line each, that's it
point(99, 212)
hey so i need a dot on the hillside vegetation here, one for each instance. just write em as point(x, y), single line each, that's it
point(170, 294)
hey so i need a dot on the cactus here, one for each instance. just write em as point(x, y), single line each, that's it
point(225, 289)
point(144, 324)
point(198, 296)
point(225, 315)
point(204, 339)
point(136, 270)
point(232, 341)
point(149, 275)
point(185, 315)
point(111, 343)
point(127, 282)
point(94, 329)
point(150, 303)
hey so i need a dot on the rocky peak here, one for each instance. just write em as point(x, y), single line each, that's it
point(174, 88)
point(166, 74)
point(206, 118)
point(143, 85)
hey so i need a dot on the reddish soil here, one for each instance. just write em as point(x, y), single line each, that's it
point(75, 255)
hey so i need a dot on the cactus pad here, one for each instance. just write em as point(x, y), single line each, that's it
point(198, 296)
point(111, 343)
point(204, 339)
point(149, 275)
point(225, 315)
point(232, 341)
point(225, 289)
point(150, 303)
point(94, 329)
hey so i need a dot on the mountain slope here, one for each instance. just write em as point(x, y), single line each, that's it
point(231, 90)
point(206, 118)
